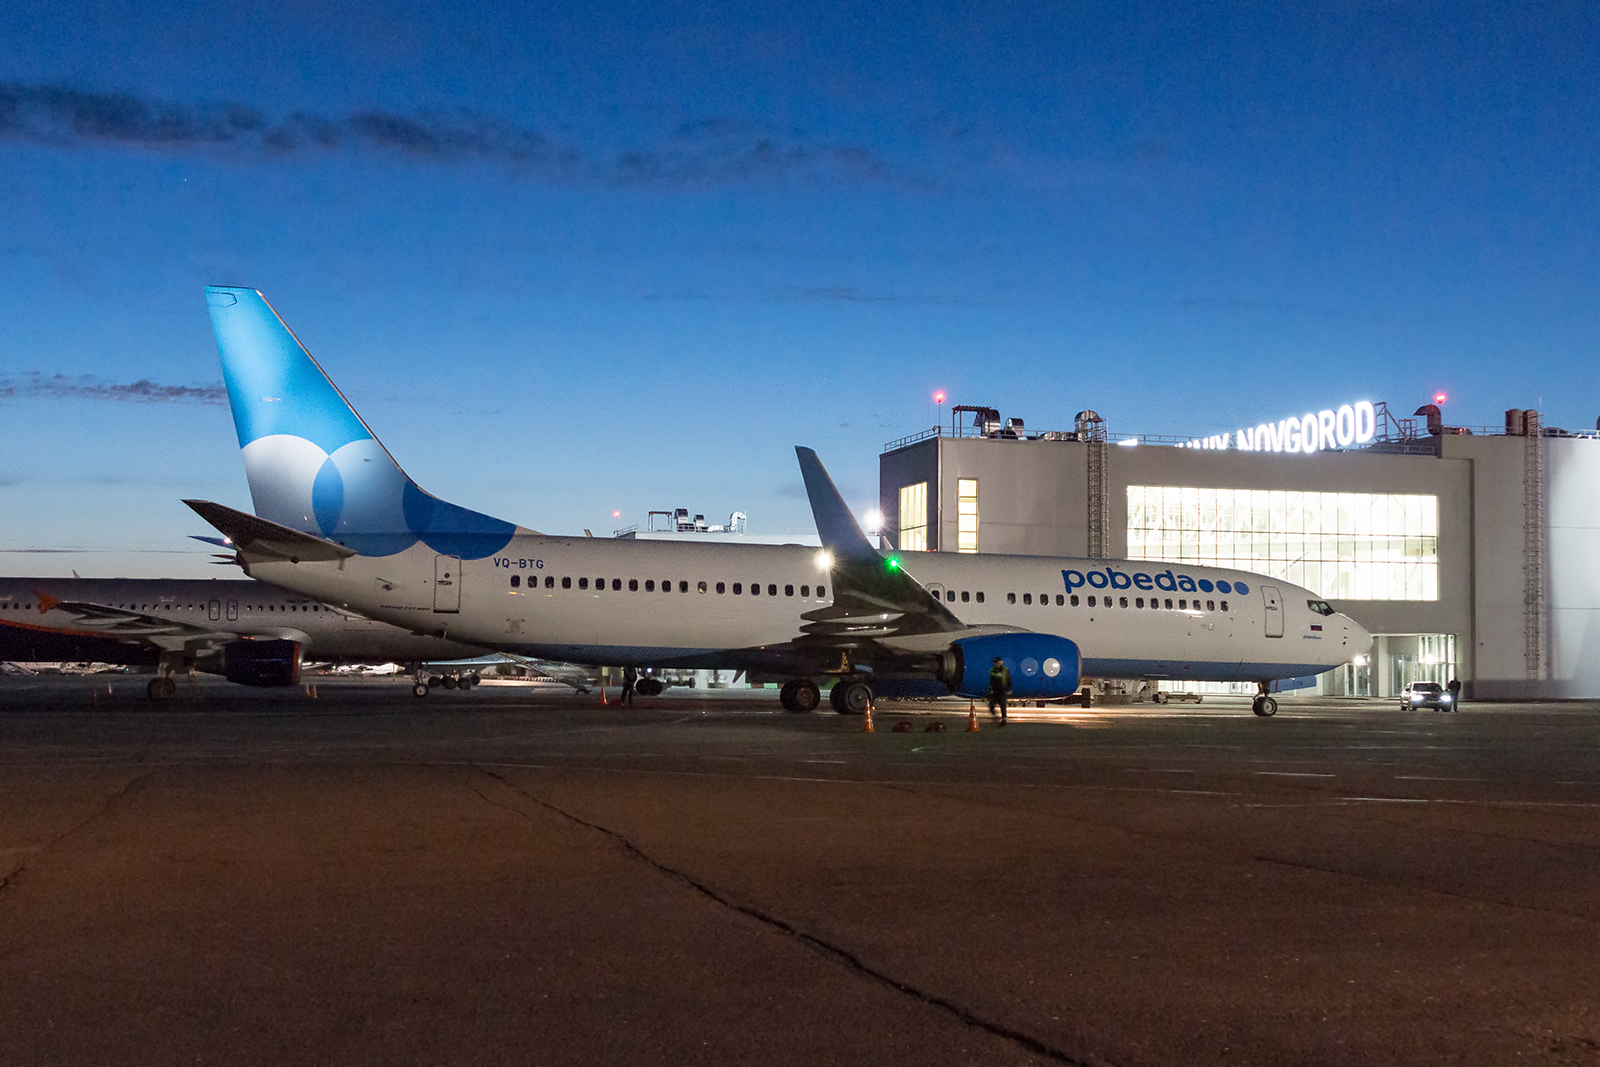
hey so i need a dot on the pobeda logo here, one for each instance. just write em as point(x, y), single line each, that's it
point(1111, 578)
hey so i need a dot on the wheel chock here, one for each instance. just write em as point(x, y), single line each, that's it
point(935, 727)
point(902, 727)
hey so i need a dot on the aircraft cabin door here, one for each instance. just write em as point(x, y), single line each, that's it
point(1274, 601)
point(937, 590)
point(447, 583)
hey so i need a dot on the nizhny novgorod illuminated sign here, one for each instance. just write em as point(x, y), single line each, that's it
point(1341, 427)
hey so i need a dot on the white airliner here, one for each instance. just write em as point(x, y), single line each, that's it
point(337, 519)
point(247, 631)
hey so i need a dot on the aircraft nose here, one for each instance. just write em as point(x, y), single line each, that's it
point(1360, 638)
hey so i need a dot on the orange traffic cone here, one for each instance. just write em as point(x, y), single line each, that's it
point(603, 701)
point(972, 719)
point(866, 722)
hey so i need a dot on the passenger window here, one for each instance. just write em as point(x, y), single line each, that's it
point(633, 585)
point(1027, 598)
point(805, 590)
point(550, 582)
point(950, 595)
point(1060, 600)
point(1211, 605)
point(649, 585)
point(737, 588)
point(1011, 598)
point(721, 588)
point(1169, 603)
point(701, 587)
point(980, 596)
point(683, 587)
point(755, 588)
point(772, 589)
point(616, 585)
point(966, 597)
point(515, 581)
point(1183, 605)
point(1074, 599)
point(1124, 601)
point(1138, 602)
point(788, 590)
point(822, 592)
point(1224, 605)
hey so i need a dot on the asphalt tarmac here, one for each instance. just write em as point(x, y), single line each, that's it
point(521, 876)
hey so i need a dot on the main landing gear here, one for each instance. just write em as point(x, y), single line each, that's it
point(421, 682)
point(850, 696)
point(1263, 705)
point(162, 688)
point(800, 694)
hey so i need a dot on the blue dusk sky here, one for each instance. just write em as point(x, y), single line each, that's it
point(570, 259)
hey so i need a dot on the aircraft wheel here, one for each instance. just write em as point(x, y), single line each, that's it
point(1265, 707)
point(420, 689)
point(1159, 697)
point(434, 681)
point(786, 696)
point(475, 679)
point(161, 689)
point(806, 695)
point(450, 681)
point(851, 698)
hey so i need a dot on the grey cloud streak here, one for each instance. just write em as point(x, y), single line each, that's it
point(88, 387)
point(712, 152)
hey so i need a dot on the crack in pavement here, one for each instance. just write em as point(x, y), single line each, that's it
point(823, 947)
point(45, 849)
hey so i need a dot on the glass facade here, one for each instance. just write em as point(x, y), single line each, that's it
point(1343, 546)
point(914, 517)
point(966, 514)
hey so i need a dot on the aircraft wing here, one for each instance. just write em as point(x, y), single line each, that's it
point(103, 620)
point(873, 598)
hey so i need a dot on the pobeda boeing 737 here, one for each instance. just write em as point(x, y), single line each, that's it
point(337, 519)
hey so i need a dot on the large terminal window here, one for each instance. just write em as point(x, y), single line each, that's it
point(1343, 546)
point(966, 514)
point(914, 517)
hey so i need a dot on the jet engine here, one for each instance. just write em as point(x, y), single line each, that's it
point(262, 662)
point(1041, 665)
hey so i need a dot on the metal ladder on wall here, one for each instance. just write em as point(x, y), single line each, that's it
point(1533, 629)
point(1092, 430)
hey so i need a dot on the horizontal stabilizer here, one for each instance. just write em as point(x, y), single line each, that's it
point(256, 535)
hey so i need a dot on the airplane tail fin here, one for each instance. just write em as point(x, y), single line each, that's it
point(312, 463)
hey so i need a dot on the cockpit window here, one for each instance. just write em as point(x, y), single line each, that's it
point(1321, 607)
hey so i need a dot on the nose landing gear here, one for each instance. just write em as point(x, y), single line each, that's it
point(1263, 705)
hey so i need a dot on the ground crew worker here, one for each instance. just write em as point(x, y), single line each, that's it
point(1455, 694)
point(999, 688)
point(630, 676)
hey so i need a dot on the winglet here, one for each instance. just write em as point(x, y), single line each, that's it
point(837, 527)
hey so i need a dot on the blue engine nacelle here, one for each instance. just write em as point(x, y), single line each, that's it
point(262, 662)
point(1041, 665)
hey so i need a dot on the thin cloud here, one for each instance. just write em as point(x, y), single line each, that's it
point(709, 152)
point(87, 387)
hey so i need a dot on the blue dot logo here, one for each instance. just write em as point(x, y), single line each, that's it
point(1205, 585)
point(1224, 587)
point(1241, 588)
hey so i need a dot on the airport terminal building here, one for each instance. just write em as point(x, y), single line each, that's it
point(1468, 553)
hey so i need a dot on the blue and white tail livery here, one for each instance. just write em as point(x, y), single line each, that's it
point(312, 463)
point(337, 519)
